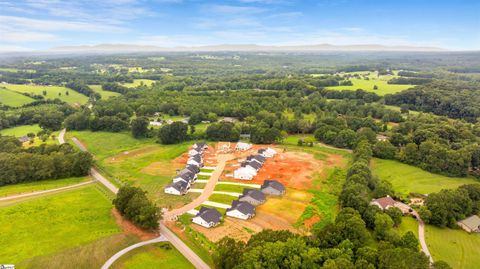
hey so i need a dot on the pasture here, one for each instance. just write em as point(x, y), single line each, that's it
point(19, 131)
point(13, 99)
point(161, 255)
point(64, 220)
point(368, 85)
point(104, 94)
point(139, 82)
point(73, 97)
point(455, 246)
point(40, 185)
point(406, 178)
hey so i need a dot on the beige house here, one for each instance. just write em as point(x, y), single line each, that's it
point(470, 224)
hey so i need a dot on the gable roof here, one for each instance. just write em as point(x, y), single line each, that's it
point(385, 201)
point(180, 186)
point(255, 194)
point(186, 174)
point(257, 157)
point(254, 164)
point(209, 214)
point(244, 207)
point(196, 157)
point(472, 222)
point(192, 168)
point(261, 151)
point(200, 145)
point(273, 184)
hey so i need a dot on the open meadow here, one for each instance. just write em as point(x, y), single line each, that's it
point(13, 99)
point(40, 185)
point(410, 179)
point(104, 94)
point(62, 221)
point(73, 97)
point(139, 82)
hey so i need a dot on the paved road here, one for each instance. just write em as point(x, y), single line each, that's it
point(96, 175)
point(117, 255)
point(207, 191)
point(12, 197)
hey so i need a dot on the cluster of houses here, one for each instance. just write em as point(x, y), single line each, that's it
point(187, 176)
point(249, 168)
point(242, 208)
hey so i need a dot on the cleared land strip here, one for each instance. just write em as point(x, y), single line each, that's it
point(117, 255)
point(239, 184)
point(12, 197)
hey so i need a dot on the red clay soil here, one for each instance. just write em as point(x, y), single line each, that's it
point(130, 228)
point(311, 221)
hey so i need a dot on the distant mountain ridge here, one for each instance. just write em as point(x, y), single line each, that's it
point(114, 48)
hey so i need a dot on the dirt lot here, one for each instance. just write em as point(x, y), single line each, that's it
point(130, 228)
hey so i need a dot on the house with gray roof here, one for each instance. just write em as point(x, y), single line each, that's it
point(207, 217)
point(272, 187)
point(254, 197)
point(470, 224)
point(177, 188)
point(185, 175)
point(241, 210)
point(193, 168)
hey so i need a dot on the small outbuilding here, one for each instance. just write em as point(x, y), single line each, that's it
point(241, 210)
point(254, 197)
point(207, 217)
point(272, 187)
point(470, 224)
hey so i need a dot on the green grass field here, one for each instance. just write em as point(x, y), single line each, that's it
point(457, 247)
point(408, 224)
point(406, 178)
point(222, 198)
point(104, 94)
point(73, 97)
point(138, 82)
point(161, 255)
point(40, 185)
point(53, 223)
point(21, 130)
point(13, 99)
point(367, 85)
point(230, 188)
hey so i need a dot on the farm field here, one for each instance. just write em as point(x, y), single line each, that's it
point(104, 94)
point(73, 97)
point(13, 99)
point(138, 82)
point(40, 185)
point(21, 130)
point(406, 178)
point(160, 255)
point(455, 246)
point(408, 224)
point(367, 85)
point(64, 220)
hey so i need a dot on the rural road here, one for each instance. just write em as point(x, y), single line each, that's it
point(165, 232)
point(12, 197)
point(207, 191)
point(421, 236)
point(61, 136)
point(117, 255)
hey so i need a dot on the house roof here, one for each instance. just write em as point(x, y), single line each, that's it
point(193, 168)
point(262, 151)
point(273, 184)
point(200, 145)
point(196, 157)
point(186, 174)
point(385, 201)
point(179, 186)
point(244, 207)
point(255, 194)
point(255, 165)
point(472, 222)
point(24, 138)
point(257, 157)
point(209, 214)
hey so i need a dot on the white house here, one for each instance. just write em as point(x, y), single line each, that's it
point(193, 152)
point(243, 146)
point(245, 173)
point(267, 153)
point(207, 217)
point(241, 210)
point(193, 162)
point(178, 188)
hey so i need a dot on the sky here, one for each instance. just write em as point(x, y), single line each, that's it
point(43, 24)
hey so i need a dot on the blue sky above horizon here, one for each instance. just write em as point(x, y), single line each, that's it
point(42, 24)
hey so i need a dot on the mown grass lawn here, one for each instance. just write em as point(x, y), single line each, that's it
point(408, 224)
point(40, 185)
point(13, 99)
point(161, 255)
point(229, 188)
point(53, 223)
point(21, 130)
point(138, 82)
point(457, 247)
point(53, 92)
point(104, 94)
point(222, 198)
point(406, 178)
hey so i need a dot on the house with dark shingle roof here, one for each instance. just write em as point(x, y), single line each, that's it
point(177, 188)
point(255, 165)
point(257, 158)
point(267, 153)
point(254, 197)
point(185, 175)
point(241, 210)
point(272, 187)
point(207, 217)
point(193, 168)
point(200, 146)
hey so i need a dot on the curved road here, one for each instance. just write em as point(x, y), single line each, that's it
point(421, 236)
point(166, 233)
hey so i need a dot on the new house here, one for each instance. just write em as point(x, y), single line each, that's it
point(193, 168)
point(256, 158)
point(272, 187)
point(195, 160)
point(177, 188)
point(241, 210)
point(185, 175)
point(207, 217)
point(245, 173)
point(243, 146)
point(254, 197)
point(200, 146)
point(470, 224)
point(267, 153)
